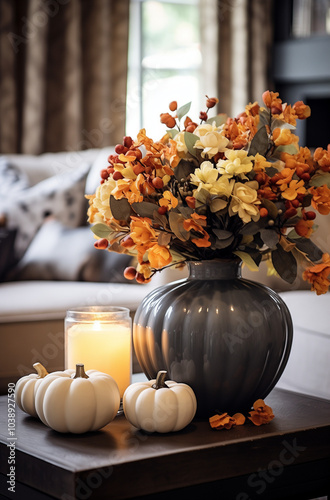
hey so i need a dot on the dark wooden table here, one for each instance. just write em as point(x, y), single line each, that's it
point(287, 458)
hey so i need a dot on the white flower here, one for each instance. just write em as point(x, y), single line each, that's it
point(180, 143)
point(211, 143)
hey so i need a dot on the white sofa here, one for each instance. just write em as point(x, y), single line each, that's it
point(32, 311)
point(48, 279)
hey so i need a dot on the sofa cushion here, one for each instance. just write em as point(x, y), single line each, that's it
point(308, 368)
point(24, 301)
point(11, 178)
point(58, 252)
point(61, 196)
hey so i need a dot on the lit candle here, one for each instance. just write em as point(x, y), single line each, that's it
point(100, 338)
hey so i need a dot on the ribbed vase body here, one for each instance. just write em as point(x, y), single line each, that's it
point(227, 337)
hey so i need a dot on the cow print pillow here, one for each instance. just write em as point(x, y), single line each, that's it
point(61, 196)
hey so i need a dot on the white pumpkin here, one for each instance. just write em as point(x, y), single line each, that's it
point(26, 388)
point(159, 406)
point(77, 402)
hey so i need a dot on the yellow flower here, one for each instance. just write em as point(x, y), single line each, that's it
point(238, 163)
point(244, 201)
point(211, 141)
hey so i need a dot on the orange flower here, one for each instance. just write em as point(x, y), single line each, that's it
point(282, 137)
point(322, 157)
point(169, 200)
point(141, 231)
point(159, 256)
point(318, 275)
point(321, 199)
point(295, 188)
point(190, 224)
point(225, 421)
point(272, 101)
point(252, 109)
point(302, 110)
point(284, 178)
point(267, 193)
point(262, 413)
point(304, 228)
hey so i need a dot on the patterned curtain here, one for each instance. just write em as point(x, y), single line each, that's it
point(244, 52)
point(63, 68)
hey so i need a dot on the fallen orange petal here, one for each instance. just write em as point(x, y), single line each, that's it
point(239, 418)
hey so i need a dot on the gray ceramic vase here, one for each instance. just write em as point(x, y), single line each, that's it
point(227, 337)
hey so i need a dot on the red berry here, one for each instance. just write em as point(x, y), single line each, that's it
point(310, 215)
point(101, 244)
point(173, 105)
point(130, 273)
point(120, 149)
point(127, 242)
point(157, 183)
point(127, 141)
point(295, 203)
point(117, 175)
point(162, 210)
point(104, 174)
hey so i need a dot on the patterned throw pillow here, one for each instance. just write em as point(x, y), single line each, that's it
point(61, 196)
point(67, 254)
point(11, 178)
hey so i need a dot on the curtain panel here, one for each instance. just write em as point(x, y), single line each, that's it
point(63, 71)
point(245, 34)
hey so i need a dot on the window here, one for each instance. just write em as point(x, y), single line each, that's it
point(165, 62)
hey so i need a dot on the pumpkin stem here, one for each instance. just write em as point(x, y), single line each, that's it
point(80, 371)
point(160, 380)
point(40, 369)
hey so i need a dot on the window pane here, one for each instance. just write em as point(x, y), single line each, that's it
point(168, 26)
point(162, 87)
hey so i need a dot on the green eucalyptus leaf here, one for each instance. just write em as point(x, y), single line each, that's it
point(320, 179)
point(269, 237)
point(307, 246)
point(281, 124)
point(285, 264)
point(247, 259)
point(218, 119)
point(271, 207)
point(254, 227)
point(120, 209)
point(292, 235)
point(259, 143)
point(291, 149)
point(183, 110)
point(176, 224)
point(172, 132)
point(184, 169)
point(271, 171)
point(222, 234)
point(190, 140)
point(101, 230)
point(144, 209)
point(264, 117)
point(164, 238)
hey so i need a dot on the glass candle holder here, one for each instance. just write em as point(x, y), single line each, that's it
point(101, 339)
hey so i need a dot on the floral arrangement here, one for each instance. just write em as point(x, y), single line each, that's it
point(221, 189)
